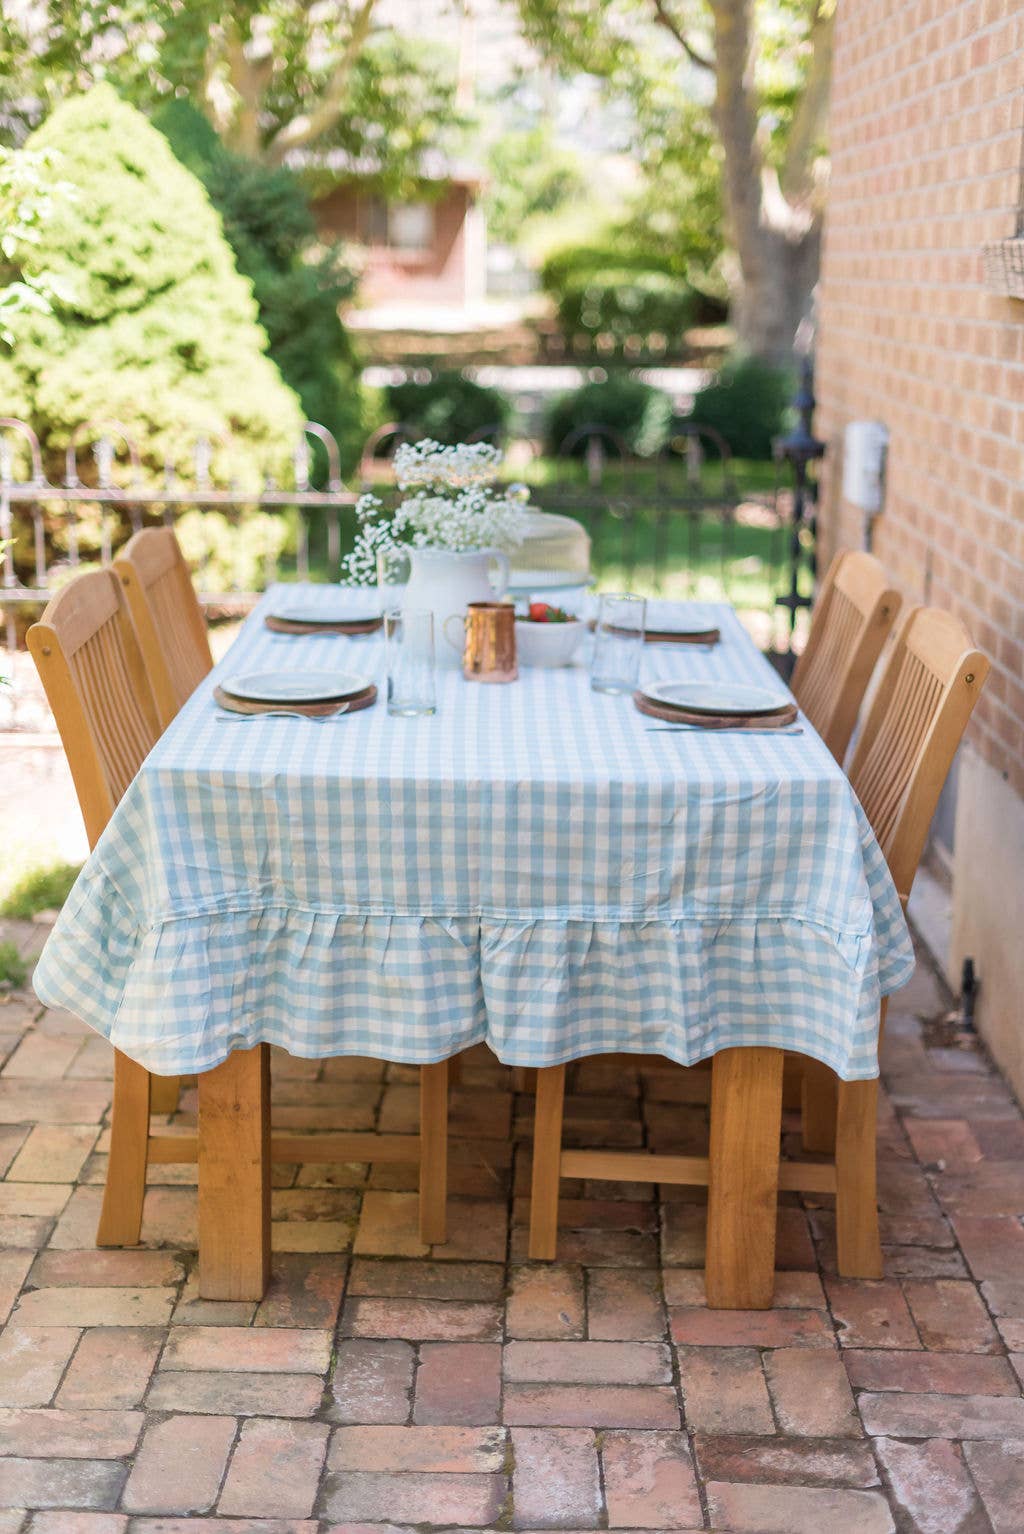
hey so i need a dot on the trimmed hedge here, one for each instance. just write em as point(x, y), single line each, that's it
point(635, 411)
point(747, 403)
point(158, 329)
point(450, 408)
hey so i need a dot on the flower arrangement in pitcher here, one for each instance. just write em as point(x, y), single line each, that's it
point(448, 502)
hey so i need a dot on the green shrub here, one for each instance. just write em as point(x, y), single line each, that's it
point(625, 305)
point(638, 413)
point(158, 330)
point(229, 555)
point(450, 408)
point(747, 403)
point(13, 969)
point(41, 889)
point(298, 285)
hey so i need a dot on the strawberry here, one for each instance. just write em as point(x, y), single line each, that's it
point(543, 612)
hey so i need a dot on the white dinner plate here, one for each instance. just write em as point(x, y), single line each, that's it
point(523, 582)
point(680, 617)
point(294, 686)
point(340, 607)
point(717, 697)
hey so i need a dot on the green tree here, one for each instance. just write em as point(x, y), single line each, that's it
point(155, 328)
point(757, 72)
point(273, 77)
point(298, 284)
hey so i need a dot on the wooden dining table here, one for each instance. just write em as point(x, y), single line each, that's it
point(536, 866)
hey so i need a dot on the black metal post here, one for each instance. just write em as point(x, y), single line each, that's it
point(799, 449)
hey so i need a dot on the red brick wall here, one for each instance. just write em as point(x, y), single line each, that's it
point(926, 136)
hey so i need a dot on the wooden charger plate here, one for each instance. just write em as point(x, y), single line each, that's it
point(365, 699)
point(782, 716)
point(667, 636)
point(335, 626)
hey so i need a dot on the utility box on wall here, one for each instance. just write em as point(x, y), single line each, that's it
point(865, 444)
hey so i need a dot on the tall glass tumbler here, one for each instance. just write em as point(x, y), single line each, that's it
point(618, 643)
point(393, 570)
point(409, 641)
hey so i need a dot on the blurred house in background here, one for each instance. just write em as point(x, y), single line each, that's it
point(429, 250)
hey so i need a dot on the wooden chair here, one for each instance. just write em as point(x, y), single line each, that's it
point(91, 666)
point(167, 616)
point(852, 619)
point(919, 714)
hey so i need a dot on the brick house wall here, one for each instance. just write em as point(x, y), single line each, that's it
point(927, 124)
point(439, 273)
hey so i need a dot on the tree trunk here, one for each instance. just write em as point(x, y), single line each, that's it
point(778, 271)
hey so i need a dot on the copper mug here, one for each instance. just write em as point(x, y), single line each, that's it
point(489, 642)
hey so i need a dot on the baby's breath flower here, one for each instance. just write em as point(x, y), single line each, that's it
point(452, 506)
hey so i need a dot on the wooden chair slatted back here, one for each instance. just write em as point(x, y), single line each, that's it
point(167, 616)
point(917, 719)
point(90, 664)
point(852, 619)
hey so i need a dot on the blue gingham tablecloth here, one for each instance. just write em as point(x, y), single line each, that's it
point(532, 866)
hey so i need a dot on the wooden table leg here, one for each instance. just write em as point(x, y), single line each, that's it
point(858, 1246)
point(547, 1162)
point(234, 1177)
point(121, 1215)
point(434, 1153)
point(746, 1120)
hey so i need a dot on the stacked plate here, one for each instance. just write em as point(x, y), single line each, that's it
point(319, 692)
point(341, 613)
point(716, 705)
point(680, 623)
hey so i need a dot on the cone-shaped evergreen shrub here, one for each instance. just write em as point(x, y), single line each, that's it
point(297, 284)
point(158, 330)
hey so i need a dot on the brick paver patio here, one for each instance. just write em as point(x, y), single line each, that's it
point(380, 1387)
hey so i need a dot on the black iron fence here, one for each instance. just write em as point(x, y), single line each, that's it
point(684, 523)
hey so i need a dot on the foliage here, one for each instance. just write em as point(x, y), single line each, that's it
point(13, 969)
point(728, 101)
point(449, 408)
point(530, 176)
point(298, 285)
point(747, 403)
point(28, 192)
point(233, 555)
point(158, 330)
point(630, 409)
point(627, 306)
point(273, 77)
point(448, 502)
point(40, 889)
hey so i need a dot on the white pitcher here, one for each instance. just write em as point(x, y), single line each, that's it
point(445, 582)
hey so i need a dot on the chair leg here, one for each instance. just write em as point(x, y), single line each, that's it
point(163, 1094)
point(121, 1215)
point(859, 1251)
point(524, 1078)
point(819, 1107)
point(547, 1161)
point(234, 1177)
point(434, 1153)
point(455, 1070)
point(746, 1117)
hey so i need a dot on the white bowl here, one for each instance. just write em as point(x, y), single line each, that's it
point(547, 644)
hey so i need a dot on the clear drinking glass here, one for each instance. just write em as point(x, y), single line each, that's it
point(618, 642)
point(409, 640)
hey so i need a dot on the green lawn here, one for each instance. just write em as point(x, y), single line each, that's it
point(653, 530)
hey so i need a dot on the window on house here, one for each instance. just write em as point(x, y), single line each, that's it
point(397, 226)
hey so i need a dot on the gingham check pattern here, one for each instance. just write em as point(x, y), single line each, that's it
point(532, 866)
